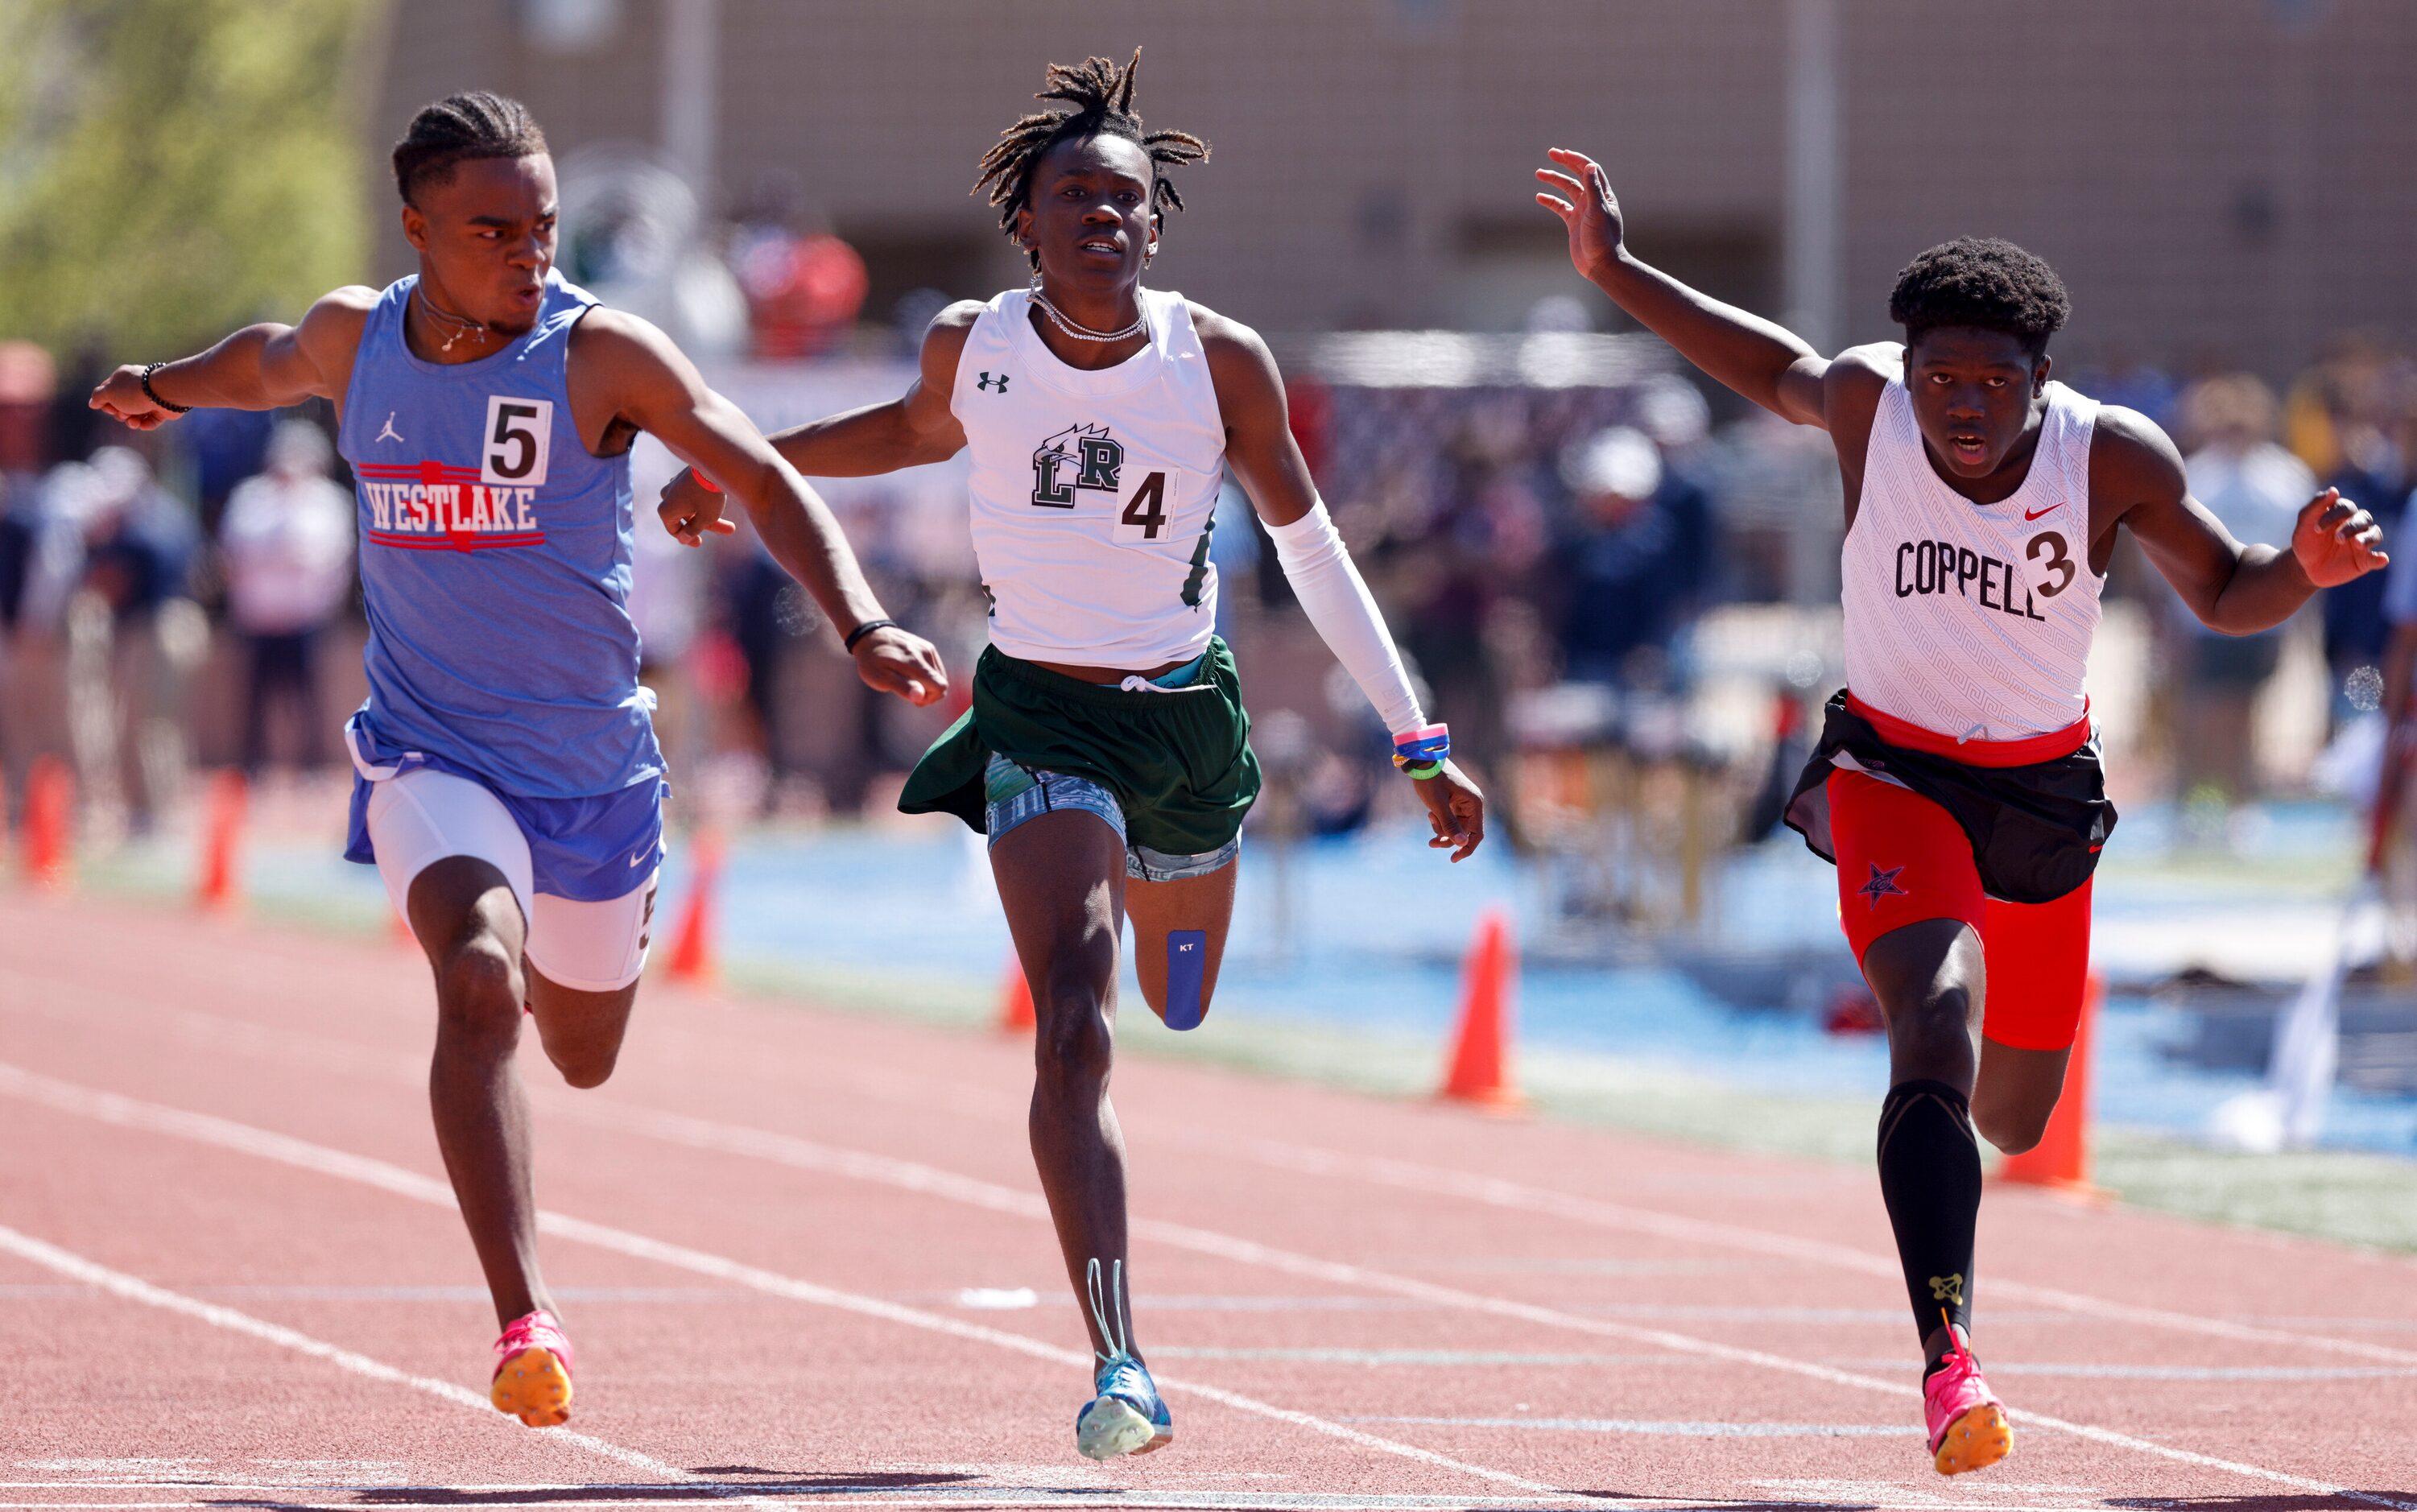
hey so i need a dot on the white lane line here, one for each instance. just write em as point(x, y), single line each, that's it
point(204, 1128)
point(112, 1108)
point(134, 1289)
point(1649, 1429)
point(51, 996)
point(1493, 1191)
point(785, 1149)
point(1452, 1358)
point(979, 1497)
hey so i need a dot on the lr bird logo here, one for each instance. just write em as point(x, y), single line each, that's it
point(1948, 1289)
point(988, 384)
point(1095, 456)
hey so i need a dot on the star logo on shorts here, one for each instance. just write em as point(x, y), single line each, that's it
point(1883, 885)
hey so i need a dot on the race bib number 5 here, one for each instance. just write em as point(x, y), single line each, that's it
point(519, 431)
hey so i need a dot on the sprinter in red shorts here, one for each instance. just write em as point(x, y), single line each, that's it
point(1957, 784)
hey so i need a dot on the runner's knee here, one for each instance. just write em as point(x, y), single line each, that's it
point(1072, 1048)
point(479, 988)
point(586, 1066)
point(2013, 1128)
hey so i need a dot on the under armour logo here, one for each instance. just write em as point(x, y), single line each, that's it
point(1883, 885)
point(986, 381)
point(1948, 1289)
point(388, 431)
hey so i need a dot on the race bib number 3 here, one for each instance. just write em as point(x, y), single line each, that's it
point(519, 431)
point(1147, 517)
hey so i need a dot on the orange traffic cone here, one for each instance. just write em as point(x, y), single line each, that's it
point(1480, 1073)
point(2061, 1160)
point(221, 830)
point(1015, 1016)
point(692, 944)
point(50, 821)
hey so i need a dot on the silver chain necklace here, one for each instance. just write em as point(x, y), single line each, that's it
point(1084, 333)
point(461, 325)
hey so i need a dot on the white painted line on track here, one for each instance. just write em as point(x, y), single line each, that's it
point(204, 1128)
point(241, 1037)
point(1493, 1191)
point(1648, 1428)
point(785, 1149)
point(134, 1289)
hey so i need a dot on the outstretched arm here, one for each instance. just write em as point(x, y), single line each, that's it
point(1765, 362)
point(2233, 588)
point(907, 431)
point(1260, 449)
point(648, 381)
point(264, 366)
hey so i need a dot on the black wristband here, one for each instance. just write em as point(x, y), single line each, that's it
point(153, 395)
point(867, 629)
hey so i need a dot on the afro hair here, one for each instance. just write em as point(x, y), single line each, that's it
point(1983, 281)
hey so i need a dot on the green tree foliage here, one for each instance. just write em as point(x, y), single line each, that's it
point(171, 169)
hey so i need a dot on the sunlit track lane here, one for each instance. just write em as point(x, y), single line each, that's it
point(745, 1131)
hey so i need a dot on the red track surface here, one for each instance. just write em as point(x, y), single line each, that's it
point(230, 1277)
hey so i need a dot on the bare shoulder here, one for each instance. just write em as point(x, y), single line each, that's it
point(1223, 336)
point(1240, 363)
point(350, 303)
point(336, 318)
point(944, 342)
point(616, 335)
point(1863, 371)
point(2133, 458)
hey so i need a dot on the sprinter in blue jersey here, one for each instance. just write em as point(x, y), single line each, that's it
point(509, 787)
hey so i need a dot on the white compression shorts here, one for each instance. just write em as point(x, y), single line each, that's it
point(422, 816)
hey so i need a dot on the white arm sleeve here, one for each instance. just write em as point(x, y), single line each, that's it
point(1329, 586)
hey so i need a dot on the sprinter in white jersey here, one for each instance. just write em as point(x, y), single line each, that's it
point(1106, 753)
point(1957, 785)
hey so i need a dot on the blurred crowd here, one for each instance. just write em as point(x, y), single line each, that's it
point(190, 593)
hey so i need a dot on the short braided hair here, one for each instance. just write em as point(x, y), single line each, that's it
point(1984, 281)
point(460, 128)
point(1094, 97)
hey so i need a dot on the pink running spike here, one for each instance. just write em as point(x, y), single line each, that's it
point(532, 1380)
point(1966, 1421)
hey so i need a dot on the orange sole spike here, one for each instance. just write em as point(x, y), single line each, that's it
point(1976, 1441)
point(534, 1387)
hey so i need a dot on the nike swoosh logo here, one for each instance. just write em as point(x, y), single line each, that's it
point(639, 859)
point(2034, 514)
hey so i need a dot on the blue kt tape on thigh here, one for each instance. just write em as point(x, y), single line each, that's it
point(1187, 967)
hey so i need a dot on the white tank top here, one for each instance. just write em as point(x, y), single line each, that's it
point(1093, 491)
point(1972, 620)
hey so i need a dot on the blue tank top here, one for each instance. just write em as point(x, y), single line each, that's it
point(495, 554)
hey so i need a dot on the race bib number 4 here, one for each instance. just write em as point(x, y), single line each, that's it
point(1144, 518)
point(519, 431)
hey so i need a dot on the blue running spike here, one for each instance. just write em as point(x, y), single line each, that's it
point(1187, 966)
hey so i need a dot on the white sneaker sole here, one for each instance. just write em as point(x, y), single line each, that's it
point(1109, 1427)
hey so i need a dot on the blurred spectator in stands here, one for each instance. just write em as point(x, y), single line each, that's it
point(134, 634)
point(1673, 415)
point(2257, 489)
point(1631, 563)
point(287, 543)
point(226, 447)
point(2360, 423)
point(2342, 386)
point(2128, 378)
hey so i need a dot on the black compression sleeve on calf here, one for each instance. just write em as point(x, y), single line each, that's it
point(1930, 1177)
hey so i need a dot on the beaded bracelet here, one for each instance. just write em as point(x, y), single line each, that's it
point(149, 393)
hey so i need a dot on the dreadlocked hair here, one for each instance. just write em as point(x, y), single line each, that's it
point(460, 128)
point(1087, 100)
